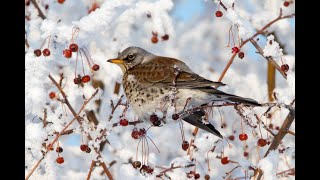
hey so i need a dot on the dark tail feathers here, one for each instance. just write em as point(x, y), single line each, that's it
point(196, 120)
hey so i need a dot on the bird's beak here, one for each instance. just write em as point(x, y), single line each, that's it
point(116, 61)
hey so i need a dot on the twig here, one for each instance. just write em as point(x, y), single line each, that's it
point(264, 125)
point(269, 58)
point(34, 2)
point(289, 171)
point(172, 168)
point(130, 123)
point(26, 40)
point(290, 132)
point(114, 107)
point(228, 173)
point(90, 170)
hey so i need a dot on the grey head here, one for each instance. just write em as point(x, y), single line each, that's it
point(131, 57)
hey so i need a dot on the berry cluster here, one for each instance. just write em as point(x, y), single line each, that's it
point(137, 134)
point(154, 38)
point(45, 51)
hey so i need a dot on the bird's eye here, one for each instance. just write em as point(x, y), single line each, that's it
point(130, 57)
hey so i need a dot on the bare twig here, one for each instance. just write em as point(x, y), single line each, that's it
point(114, 107)
point(90, 170)
point(264, 125)
point(172, 168)
point(269, 58)
point(34, 2)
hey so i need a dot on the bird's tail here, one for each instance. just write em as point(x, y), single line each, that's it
point(196, 120)
point(242, 100)
point(222, 96)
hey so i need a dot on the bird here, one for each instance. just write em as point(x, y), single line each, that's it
point(150, 82)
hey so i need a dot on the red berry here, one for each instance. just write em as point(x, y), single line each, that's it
point(175, 116)
point(225, 160)
point(231, 137)
point(123, 122)
point(135, 134)
point(85, 79)
point(28, 3)
point(155, 120)
point(59, 149)
point(277, 128)
point(46, 6)
point(136, 164)
point(286, 3)
point(285, 67)
point(165, 37)
point(95, 67)
point(196, 176)
point(46, 52)
point(61, 1)
point(219, 13)
point(52, 95)
point(67, 53)
point(73, 47)
point(77, 80)
point(37, 52)
point(88, 150)
point(241, 55)
point(84, 147)
point(185, 145)
point(262, 142)
point(60, 160)
point(245, 154)
point(154, 39)
point(235, 49)
point(243, 137)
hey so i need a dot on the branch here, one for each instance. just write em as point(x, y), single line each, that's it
point(172, 168)
point(90, 170)
point(264, 126)
point(76, 117)
point(34, 2)
point(277, 139)
point(269, 58)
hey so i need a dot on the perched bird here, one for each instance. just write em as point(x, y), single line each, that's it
point(149, 81)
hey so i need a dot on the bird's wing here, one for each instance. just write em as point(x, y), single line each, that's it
point(161, 71)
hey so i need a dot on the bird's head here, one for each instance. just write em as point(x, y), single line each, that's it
point(131, 57)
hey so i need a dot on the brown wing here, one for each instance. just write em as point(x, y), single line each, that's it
point(160, 71)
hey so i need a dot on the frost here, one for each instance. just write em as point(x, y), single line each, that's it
point(272, 48)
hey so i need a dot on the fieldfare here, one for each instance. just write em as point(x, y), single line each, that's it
point(150, 80)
